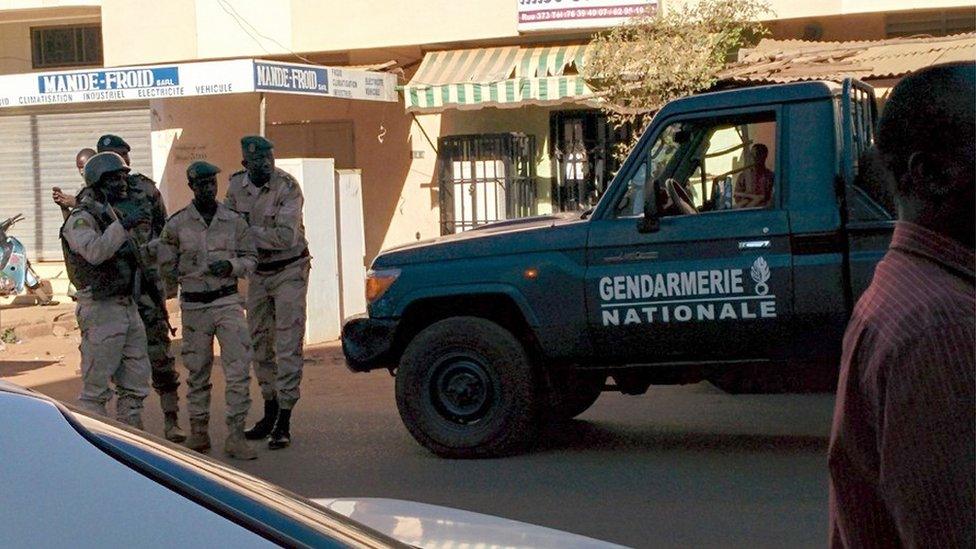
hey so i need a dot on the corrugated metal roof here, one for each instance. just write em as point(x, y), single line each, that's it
point(794, 60)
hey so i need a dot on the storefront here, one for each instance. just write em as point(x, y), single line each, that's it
point(171, 115)
point(519, 133)
point(37, 152)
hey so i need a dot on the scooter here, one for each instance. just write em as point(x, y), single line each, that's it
point(16, 273)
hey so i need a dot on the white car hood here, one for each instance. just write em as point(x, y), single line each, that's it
point(424, 525)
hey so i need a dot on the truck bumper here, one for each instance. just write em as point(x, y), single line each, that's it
point(366, 342)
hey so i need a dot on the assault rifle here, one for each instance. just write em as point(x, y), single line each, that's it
point(142, 280)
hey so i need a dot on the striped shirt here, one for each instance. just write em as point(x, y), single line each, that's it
point(902, 453)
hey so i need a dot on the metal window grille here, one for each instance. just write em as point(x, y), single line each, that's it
point(485, 178)
point(581, 146)
point(66, 46)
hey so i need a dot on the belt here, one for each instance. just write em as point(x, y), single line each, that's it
point(208, 297)
point(272, 266)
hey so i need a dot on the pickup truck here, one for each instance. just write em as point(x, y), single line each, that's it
point(731, 247)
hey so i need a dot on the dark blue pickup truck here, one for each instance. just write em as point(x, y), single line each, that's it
point(730, 247)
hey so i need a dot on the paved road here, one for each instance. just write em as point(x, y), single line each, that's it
point(678, 467)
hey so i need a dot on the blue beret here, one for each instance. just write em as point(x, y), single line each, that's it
point(109, 142)
point(201, 169)
point(255, 145)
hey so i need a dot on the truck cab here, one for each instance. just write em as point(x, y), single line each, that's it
point(730, 247)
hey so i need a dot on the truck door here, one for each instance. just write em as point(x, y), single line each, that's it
point(714, 281)
point(870, 208)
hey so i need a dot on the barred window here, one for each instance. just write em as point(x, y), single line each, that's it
point(66, 46)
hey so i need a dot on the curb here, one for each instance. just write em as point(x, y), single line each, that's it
point(39, 329)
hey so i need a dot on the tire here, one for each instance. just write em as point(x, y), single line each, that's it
point(465, 389)
point(572, 393)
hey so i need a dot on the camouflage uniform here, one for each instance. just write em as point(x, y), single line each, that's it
point(277, 289)
point(113, 344)
point(143, 194)
point(186, 248)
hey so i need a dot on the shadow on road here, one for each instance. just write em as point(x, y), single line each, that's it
point(14, 367)
point(579, 435)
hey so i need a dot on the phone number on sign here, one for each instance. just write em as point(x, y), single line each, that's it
point(582, 13)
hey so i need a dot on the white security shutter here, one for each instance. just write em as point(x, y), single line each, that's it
point(37, 152)
point(17, 177)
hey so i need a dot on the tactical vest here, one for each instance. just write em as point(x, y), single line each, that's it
point(113, 277)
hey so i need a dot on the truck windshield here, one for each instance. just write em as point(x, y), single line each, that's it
point(659, 158)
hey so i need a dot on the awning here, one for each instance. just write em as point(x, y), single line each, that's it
point(497, 77)
point(793, 60)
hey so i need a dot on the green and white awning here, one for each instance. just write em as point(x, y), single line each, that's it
point(497, 77)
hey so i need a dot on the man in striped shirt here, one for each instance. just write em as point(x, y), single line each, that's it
point(902, 451)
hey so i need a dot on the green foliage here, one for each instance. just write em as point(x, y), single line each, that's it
point(639, 66)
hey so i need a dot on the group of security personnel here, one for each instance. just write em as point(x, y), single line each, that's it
point(125, 257)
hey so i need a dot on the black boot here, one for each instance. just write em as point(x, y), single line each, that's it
point(280, 435)
point(263, 427)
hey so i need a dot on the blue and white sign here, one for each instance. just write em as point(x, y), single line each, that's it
point(104, 80)
point(193, 79)
point(326, 81)
point(291, 78)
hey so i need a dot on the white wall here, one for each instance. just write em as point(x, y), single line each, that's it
point(317, 179)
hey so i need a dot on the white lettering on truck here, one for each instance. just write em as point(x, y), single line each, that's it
point(686, 296)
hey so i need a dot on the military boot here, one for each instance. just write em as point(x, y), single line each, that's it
point(170, 403)
point(171, 428)
point(199, 436)
point(263, 427)
point(236, 446)
point(280, 436)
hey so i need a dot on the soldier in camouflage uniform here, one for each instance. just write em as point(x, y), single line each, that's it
point(205, 248)
point(102, 264)
point(272, 202)
point(143, 195)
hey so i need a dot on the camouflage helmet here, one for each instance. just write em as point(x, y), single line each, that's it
point(101, 164)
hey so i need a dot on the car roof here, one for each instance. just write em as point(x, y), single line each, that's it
point(8, 387)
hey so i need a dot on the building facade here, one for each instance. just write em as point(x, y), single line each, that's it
point(491, 121)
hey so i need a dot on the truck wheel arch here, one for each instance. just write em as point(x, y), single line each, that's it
point(503, 306)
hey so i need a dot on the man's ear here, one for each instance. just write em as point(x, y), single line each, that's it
point(928, 175)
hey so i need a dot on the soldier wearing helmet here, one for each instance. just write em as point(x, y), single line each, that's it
point(103, 267)
point(143, 196)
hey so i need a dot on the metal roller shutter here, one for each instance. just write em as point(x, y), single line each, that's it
point(17, 177)
point(37, 152)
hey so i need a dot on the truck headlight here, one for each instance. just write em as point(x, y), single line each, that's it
point(378, 282)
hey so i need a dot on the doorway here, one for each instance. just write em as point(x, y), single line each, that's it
point(581, 147)
point(333, 139)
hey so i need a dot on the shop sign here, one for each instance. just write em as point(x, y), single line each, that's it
point(190, 80)
point(326, 81)
point(536, 15)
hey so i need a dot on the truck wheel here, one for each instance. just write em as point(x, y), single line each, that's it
point(574, 393)
point(465, 389)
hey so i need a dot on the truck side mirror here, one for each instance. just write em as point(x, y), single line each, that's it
point(650, 222)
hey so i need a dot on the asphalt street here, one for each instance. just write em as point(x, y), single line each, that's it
point(681, 466)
